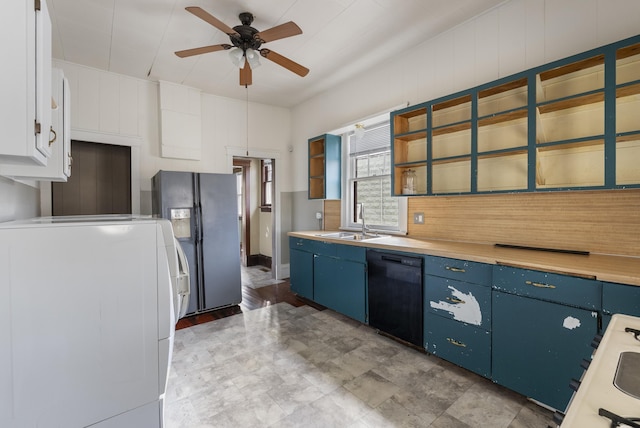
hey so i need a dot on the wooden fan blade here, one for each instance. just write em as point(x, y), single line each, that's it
point(245, 75)
point(206, 16)
point(281, 31)
point(205, 49)
point(284, 62)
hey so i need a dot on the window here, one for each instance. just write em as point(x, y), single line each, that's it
point(266, 180)
point(369, 181)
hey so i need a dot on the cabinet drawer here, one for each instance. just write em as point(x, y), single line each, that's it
point(461, 301)
point(570, 290)
point(460, 343)
point(301, 244)
point(349, 252)
point(478, 273)
point(620, 299)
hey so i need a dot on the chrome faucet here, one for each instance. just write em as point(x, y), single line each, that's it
point(361, 217)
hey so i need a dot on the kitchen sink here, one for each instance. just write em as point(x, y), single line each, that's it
point(355, 236)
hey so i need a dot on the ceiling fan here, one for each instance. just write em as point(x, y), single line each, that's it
point(247, 41)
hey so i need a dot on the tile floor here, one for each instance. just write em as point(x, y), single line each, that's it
point(257, 277)
point(286, 366)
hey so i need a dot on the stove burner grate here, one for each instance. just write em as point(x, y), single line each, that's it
point(618, 421)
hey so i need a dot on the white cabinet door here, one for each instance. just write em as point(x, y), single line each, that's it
point(25, 107)
point(58, 167)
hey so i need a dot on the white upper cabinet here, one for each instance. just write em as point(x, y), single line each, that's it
point(25, 107)
point(58, 167)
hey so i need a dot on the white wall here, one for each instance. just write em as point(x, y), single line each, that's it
point(111, 104)
point(513, 37)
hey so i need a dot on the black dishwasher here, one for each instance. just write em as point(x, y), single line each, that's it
point(395, 295)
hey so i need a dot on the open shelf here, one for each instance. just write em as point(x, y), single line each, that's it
point(405, 151)
point(628, 64)
point(573, 165)
point(420, 185)
point(506, 171)
point(410, 121)
point(451, 177)
point(451, 112)
point(503, 98)
point(580, 77)
point(550, 120)
point(572, 102)
point(504, 117)
point(627, 155)
point(324, 167)
point(316, 148)
point(316, 187)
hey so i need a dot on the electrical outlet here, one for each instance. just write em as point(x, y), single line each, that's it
point(418, 218)
point(319, 215)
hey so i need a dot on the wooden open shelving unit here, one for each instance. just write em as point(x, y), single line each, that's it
point(324, 167)
point(563, 125)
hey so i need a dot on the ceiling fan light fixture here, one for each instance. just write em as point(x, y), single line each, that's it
point(237, 57)
point(253, 58)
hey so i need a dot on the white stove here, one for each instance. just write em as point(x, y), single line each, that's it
point(610, 388)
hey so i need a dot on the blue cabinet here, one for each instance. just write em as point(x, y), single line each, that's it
point(340, 285)
point(324, 167)
point(463, 344)
point(619, 299)
point(532, 131)
point(301, 273)
point(537, 345)
point(457, 312)
point(333, 275)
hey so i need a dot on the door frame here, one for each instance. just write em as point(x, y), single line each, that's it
point(278, 270)
point(245, 164)
point(100, 137)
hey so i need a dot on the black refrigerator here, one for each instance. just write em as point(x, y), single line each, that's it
point(203, 211)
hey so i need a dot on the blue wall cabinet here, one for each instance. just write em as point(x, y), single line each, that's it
point(569, 124)
point(324, 167)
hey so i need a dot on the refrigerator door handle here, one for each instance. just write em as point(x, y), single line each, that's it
point(183, 286)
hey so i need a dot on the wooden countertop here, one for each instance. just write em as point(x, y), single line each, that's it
point(621, 269)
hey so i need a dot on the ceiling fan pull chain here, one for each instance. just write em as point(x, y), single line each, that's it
point(247, 126)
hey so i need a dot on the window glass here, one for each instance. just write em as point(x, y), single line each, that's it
point(369, 178)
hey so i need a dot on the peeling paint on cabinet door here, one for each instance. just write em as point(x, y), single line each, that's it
point(462, 306)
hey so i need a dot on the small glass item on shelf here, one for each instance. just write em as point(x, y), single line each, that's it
point(408, 182)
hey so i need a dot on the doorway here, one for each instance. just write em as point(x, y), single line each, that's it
point(255, 209)
point(100, 182)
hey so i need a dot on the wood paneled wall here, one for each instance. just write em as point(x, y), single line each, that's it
point(331, 208)
point(605, 222)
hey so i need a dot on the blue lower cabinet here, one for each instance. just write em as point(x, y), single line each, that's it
point(340, 285)
point(462, 344)
point(537, 346)
point(461, 301)
point(301, 274)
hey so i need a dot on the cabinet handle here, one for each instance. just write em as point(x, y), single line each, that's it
point(299, 244)
point(455, 342)
point(454, 269)
point(454, 300)
point(55, 136)
point(539, 284)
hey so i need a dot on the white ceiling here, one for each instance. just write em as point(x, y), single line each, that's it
point(340, 39)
